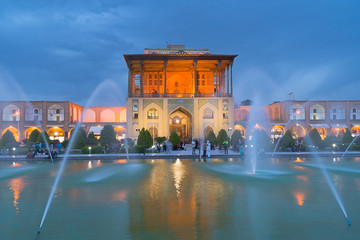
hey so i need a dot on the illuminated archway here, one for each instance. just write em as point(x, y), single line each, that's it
point(56, 133)
point(241, 129)
point(207, 131)
point(14, 131)
point(276, 132)
point(70, 132)
point(298, 131)
point(339, 132)
point(120, 132)
point(30, 130)
point(89, 115)
point(355, 130)
point(107, 116)
point(153, 130)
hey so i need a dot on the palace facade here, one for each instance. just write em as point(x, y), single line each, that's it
point(189, 91)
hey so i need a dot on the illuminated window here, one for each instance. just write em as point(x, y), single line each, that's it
point(150, 76)
point(153, 113)
point(203, 76)
point(225, 115)
point(208, 114)
point(155, 76)
point(160, 76)
point(150, 82)
point(155, 82)
point(203, 82)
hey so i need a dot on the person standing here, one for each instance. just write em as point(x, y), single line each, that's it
point(208, 148)
point(193, 145)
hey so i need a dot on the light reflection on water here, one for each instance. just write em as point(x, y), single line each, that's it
point(17, 185)
point(180, 199)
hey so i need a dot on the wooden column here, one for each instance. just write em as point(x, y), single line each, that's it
point(165, 64)
point(195, 79)
point(219, 75)
point(231, 80)
point(130, 81)
point(141, 79)
point(227, 80)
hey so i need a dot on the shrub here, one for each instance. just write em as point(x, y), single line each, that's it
point(144, 138)
point(286, 141)
point(79, 138)
point(347, 138)
point(40, 138)
point(8, 139)
point(211, 137)
point(34, 136)
point(222, 137)
point(94, 150)
point(107, 135)
point(137, 149)
point(160, 140)
point(315, 138)
point(174, 138)
point(235, 137)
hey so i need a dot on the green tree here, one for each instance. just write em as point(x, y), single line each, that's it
point(222, 136)
point(144, 139)
point(79, 138)
point(34, 136)
point(174, 138)
point(8, 139)
point(211, 137)
point(261, 140)
point(235, 137)
point(149, 139)
point(330, 140)
point(107, 135)
point(91, 139)
point(347, 138)
point(286, 141)
point(246, 102)
point(315, 138)
point(160, 140)
point(40, 138)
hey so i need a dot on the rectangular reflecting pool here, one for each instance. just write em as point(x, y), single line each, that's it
point(286, 198)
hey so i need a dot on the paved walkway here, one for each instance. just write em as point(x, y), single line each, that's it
point(187, 153)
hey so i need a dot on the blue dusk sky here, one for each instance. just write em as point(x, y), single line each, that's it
point(72, 50)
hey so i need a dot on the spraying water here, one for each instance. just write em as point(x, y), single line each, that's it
point(19, 91)
point(104, 85)
point(330, 184)
point(349, 146)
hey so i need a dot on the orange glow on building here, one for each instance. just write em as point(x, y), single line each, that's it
point(17, 185)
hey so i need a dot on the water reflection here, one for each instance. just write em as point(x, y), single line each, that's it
point(300, 197)
point(17, 185)
point(178, 171)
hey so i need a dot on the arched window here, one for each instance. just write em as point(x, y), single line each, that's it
point(297, 112)
point(36, 111)
point(57, 111)
point(317, 112)
point(208, 114)
point(355, 115)
point(153, 113)
point(176, 84)
point(13, 111)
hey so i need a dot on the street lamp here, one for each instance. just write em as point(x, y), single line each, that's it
point(89, 150)
point(18, 120)
point(297, 133)
point(153, 135)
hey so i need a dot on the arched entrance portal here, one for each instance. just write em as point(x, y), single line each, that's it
point(180, 122)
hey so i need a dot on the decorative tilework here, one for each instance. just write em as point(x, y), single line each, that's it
point(158, 102)
point(202, 102)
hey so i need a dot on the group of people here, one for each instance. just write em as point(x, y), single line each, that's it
point(206, 147)
point(39, 149)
